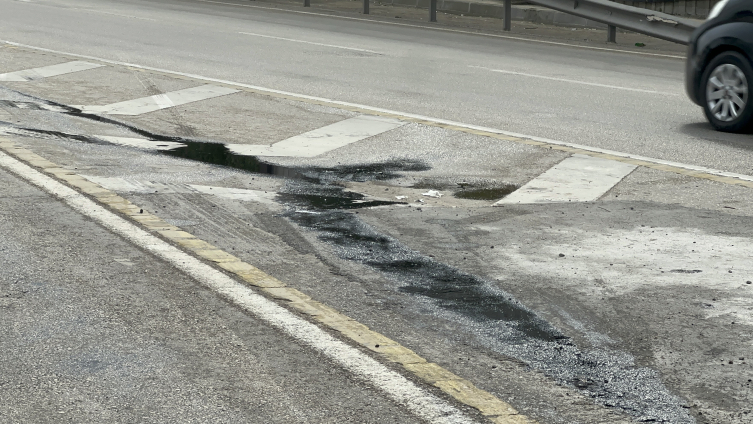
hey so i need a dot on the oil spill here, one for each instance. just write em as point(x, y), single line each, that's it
point(419, 275)
point(486, 193)
point(497, 320)
point(319, 202)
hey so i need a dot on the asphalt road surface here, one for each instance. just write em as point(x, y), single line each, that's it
point(205, 205)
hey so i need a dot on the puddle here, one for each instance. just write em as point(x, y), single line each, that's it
point(218, 154)
point(486, 193)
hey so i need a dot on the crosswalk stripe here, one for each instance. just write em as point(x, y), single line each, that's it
point(322, 140)
point(161, 101)
point(579, 178)
point(48, 71)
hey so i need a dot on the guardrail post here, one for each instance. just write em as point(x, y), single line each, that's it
point(508, 15)
point(611, 34)
point(365, 7)
point(433, 11)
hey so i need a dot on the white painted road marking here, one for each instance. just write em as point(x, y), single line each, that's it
point(241, 194)
point(161, 101)
point(48, 71)
point(309, 42)
point(114, 14)
point(579, 178)
point(131, 185)
point(141, 143)
point(322, 140)
point(405, 115)
point(615, 87)
point(401, 390)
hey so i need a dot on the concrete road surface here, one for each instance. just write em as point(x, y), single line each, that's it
point(251, 212)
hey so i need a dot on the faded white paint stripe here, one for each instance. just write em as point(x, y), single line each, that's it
point(141, 143)
point(241, 194)
point(411, 116)
point(579, 178)
point(114, 14)
point(592, 84)
point(161, 101)
point(417, 400)
point(48, 71)
point(322, 140)
point(334, 46)
point(132, 185)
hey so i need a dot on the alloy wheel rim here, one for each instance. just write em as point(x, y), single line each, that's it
point(727, 92)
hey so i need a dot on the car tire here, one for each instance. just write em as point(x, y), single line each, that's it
point(725, 92)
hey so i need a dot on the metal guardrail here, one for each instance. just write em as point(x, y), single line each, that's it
point(616, 15)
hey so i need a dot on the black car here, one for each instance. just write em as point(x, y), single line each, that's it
point(719, 72)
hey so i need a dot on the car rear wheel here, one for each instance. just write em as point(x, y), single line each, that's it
point(726, 98)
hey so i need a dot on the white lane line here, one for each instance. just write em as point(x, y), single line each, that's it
point(404, 392)
point(48, 71)
point(141, 143)
point(579, 178)
point(322, 140)
point(161, 101)
point(616, 87)
point(405, 115)
point(310, 42)
point(115, 14)
point(458, 31)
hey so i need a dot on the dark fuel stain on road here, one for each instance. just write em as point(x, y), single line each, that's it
point(419, 275)
point(318, 201)
point(496, 318)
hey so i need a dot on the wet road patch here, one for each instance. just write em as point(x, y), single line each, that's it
point(486, 193)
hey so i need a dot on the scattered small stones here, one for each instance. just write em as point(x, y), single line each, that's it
point(562, 255)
